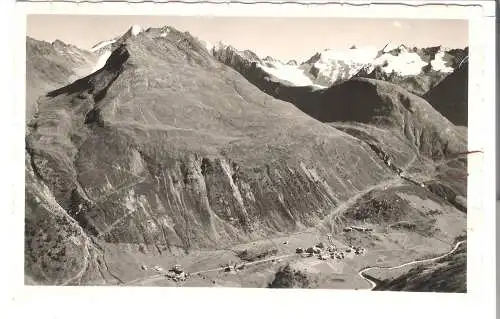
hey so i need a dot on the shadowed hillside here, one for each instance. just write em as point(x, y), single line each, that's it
point(450, 97)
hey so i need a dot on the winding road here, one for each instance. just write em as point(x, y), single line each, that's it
point(161, 275)
point(361, 273)
point(393, 182)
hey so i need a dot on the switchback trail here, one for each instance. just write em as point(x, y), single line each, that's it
point(396, 181)
point(361, 273)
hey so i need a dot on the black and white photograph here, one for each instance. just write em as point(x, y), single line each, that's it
point(262, 152)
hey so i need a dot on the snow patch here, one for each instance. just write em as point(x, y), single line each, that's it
point(135, 30)
point(339, 65)
point(391, 46)
point(439, 64)
point(405, 63)
point(359, 56)
point(101, 61)
point(207, 45)
point(288, 73)
point(165, 32)
point(101, 45)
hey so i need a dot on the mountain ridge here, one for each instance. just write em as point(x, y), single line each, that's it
point(167, 152)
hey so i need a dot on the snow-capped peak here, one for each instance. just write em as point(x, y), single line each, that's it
point(222, 46)
point(353, 55)
point(391, 47)
point(439, 64)
point(287, 72)
point(135, 30)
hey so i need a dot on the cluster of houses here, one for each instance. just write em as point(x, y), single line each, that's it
point(235, 267)
point(176, 273)
point(330, 252)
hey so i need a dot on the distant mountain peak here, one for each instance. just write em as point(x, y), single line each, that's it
point(269, 59)
point(135, 29)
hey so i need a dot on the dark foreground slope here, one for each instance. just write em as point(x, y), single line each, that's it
point(388, 106)
point(445, 275)
point(52, 65)
point(167, 147)
point(450, 97)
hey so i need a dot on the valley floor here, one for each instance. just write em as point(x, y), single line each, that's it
point(385, 248)
point(406, 223)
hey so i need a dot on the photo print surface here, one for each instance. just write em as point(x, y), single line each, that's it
point(264, 152)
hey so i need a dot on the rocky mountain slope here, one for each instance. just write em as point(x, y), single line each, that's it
point(52, 65)
point(170, 152)
point(259, 70)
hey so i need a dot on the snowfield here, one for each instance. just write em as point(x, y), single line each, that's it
point(406, 63)
point(340, 65)
point(101, 61)
point(438, 63)
point(288, 73)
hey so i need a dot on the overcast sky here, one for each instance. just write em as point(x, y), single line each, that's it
point(283, 38)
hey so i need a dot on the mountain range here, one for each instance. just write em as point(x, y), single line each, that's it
point(157, 148)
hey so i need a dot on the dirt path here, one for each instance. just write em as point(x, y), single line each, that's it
point(361, 273)
point(161, 275)
point(396, 181)
point(248, 263)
